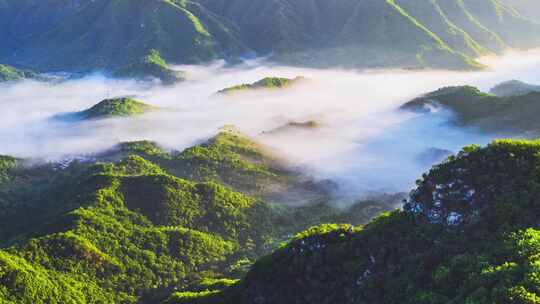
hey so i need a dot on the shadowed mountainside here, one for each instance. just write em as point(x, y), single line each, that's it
point(138, 222)
point(468, 234)
point(82, 35)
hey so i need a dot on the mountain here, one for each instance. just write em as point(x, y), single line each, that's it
point(513, 88)
point(84, 35)
point(233, 159)
point(126, 229)
point(152, 66)
point(135, 223)
point(362, 33)
point(473, 107)
point(115, 107)
point(468, 234)
point(9, 73)
point(6, 163)
point(265, 83)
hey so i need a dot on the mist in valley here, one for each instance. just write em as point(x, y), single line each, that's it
point(362, 141)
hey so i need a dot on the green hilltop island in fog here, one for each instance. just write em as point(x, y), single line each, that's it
point(116, 107)
point(267, 83)
point(119, 107)
point(230, 219)
point(9, 73)
point(512, 111)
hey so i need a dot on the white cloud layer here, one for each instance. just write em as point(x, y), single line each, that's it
point(365, 143)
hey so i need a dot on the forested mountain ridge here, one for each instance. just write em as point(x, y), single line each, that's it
point(87, 35)
point(9, 73)
point(138, 222)
point(511, 114)
point(100, 34)
point(468, 234)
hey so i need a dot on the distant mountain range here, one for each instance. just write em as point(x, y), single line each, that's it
point(84, 35)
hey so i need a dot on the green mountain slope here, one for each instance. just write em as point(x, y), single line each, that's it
point(441, 25)
point(489, 112)
point(107, 233)
point(503, 21)
point(468, 234)
point(237, 161)
point(115, 107)
point(150, 66)
point(119, 243)
point(89, 35)
point(9, 73)
point(466, 20)
point(136, 223)
point(265, 83)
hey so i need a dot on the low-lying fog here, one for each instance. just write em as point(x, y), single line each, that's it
point(364, 142)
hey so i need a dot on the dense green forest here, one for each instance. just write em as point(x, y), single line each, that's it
point(467, 234)
point(135, 38)
point(150, 66)
point(265, 83)
point(215, 223)
point(138, 222)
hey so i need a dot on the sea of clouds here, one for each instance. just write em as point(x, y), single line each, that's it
point(365, 143)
